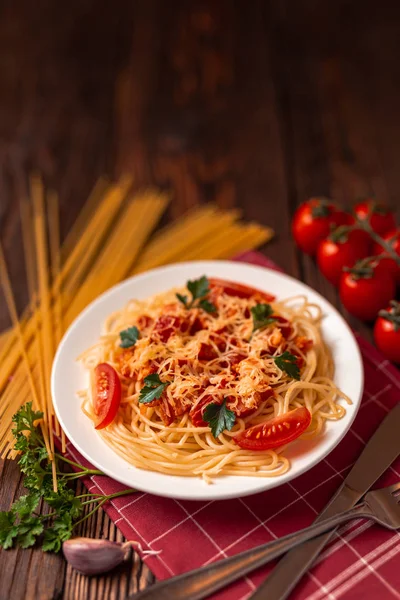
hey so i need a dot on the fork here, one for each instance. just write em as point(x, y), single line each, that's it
point(381, 506)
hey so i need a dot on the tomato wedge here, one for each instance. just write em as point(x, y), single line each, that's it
point(232, 288)
point(106, 394)
point(276, 432)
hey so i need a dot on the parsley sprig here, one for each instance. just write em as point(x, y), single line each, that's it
point(129, 337)
point(219, 417)
point(152, 389)
point(262, 316)
point(287, 362)
point(24, 525)
point(199, 289)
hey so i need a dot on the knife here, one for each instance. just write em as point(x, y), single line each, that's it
point(377, 456)
point(381, 450)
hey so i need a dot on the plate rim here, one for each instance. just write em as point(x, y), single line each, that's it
point(270, 482)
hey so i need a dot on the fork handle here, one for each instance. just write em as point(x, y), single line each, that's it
point(202, 582)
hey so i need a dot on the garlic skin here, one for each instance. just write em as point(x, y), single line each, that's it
point(92, 557)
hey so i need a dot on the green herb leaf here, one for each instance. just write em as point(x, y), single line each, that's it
point(198, 287)
point(152, 389)
point(261, 314)
point(8, 529)
point(21, 526)
point(207, 306)
point(183, 299)
point(25, 505)
point(129, 337)
point(219, 417)
point(28, 531)
point(59, 533)
point(288, 363)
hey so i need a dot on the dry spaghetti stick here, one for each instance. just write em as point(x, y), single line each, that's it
point(54, 235)
point(126, 240)
point(77, 230)
point(44, 291)
point(174, 239)
point(79, 262)
point(5, 280)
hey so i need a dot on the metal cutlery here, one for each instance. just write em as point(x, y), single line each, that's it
point(381, 506)
point(379, 453)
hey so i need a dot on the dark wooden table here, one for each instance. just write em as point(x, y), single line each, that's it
point(250, 103)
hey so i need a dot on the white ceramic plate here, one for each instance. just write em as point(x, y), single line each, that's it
point(68, 376)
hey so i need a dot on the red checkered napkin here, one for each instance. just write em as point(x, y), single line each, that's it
point(362, 560)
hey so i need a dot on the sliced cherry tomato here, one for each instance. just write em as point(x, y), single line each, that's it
point(106, 394)
point(313, 221)
point(276, 432)
point(365, 296)
point(240, 290)
point(380, 217)
point(389, 264)
point(339, 251)
point(387, 332)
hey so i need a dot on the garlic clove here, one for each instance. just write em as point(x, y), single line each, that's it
point(92, 556)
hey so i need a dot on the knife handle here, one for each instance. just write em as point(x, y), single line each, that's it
point(202, 582)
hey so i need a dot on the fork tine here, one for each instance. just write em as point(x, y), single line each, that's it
point(394, 488)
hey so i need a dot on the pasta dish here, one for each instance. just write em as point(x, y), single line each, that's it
point(215, 378)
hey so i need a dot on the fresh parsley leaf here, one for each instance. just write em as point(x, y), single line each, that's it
point(207, 306)
point(65, 502)
point(198, 288)
point(25, 505)
point(129, 337)
point(261, 314)
point(25, 419)
point(59, 533)
point(288, 363)
point(219, 417)
point(28, 530)
point(21, 526)
point(183, 299)
point(152, 389)
point(8, 529)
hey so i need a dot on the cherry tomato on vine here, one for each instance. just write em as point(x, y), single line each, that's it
point(387, 332)
point(276, 432)
point(106, 394)
point(313, 221)
point(380, 217)
point(341, 249)
point(389, 264)
point(365, 293)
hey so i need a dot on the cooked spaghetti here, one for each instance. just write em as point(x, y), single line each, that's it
point(211, 380)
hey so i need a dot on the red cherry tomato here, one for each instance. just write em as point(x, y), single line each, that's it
point(313, 221)
point(276, 432)
point(106, 394)
point(389, 264)
point(387, 332)
point(333, 255)
point(364, 297)
point(380, 217)
point(239, 290)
